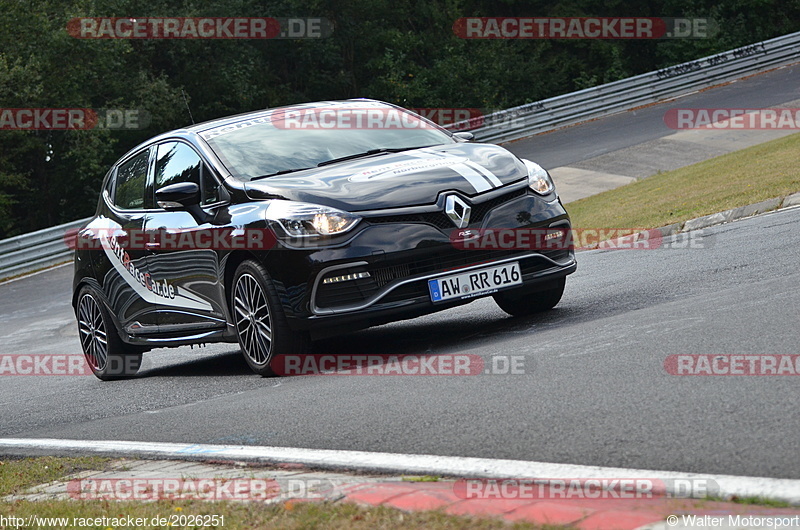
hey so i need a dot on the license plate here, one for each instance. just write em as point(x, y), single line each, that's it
point(475, 283)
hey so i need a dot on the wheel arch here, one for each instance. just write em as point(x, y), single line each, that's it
point(98, 291)
point(232, 262)
point(88, 282)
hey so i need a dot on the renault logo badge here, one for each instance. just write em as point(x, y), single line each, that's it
point(457, 210)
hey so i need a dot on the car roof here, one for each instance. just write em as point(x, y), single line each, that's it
point(221, 122)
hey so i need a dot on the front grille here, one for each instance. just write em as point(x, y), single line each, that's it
point(441, 221)
point(450, 261)
point(437, 219)
point(480, 210)
point(386, 275)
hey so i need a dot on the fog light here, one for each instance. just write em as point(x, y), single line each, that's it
point(346, 277)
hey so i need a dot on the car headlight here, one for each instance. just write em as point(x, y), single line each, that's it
point(538, 178)
point(301, 219)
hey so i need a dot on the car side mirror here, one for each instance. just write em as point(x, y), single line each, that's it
point(178, 196)
point(464, 136)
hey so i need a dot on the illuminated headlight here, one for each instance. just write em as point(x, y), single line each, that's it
point(301, 219)
point(538, 178)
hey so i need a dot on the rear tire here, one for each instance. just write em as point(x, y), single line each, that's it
point(108, 357)
point(524, 303)
point(261, 325)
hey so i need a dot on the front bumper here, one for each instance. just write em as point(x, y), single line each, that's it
point(390, 286)
point(390, 259)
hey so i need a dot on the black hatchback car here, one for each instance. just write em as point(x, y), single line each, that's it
point(283, 226)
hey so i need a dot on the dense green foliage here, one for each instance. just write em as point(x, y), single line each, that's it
point(402, 51)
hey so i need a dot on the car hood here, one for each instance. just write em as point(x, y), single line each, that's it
point(392, 180)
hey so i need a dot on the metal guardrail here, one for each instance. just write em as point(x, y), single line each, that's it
point(36, 250)
point(47, 247)
point(611, 98)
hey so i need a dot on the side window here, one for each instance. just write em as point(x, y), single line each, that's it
point(210, 187)
point(130, 184)
point(177, 162)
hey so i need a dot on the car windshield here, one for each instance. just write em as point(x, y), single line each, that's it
point(300, 138)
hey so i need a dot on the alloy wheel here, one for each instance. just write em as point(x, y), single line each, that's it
point(253, 320)
point(92, 331)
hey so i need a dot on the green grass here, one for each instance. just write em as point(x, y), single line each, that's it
point(17, 475)
point(737, 179)
point(761, 501)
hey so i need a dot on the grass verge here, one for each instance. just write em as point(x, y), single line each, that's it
point(17, 475)
point(737, 179)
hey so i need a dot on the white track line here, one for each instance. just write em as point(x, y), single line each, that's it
point(728, 485)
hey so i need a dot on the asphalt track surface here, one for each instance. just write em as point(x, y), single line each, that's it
point(594, 391)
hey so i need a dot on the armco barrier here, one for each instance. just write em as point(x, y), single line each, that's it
point(37, 250)
point(46, 247)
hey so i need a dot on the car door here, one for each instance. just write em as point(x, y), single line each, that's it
point(119, 257)
point(182, 260)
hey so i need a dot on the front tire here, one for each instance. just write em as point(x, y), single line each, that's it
point(524, 303)
point(108, 357)
point(261, 325)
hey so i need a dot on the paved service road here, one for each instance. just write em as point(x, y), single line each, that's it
point(595, 390)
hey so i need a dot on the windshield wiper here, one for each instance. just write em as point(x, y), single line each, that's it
point(281, 172)
point(370, 152)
